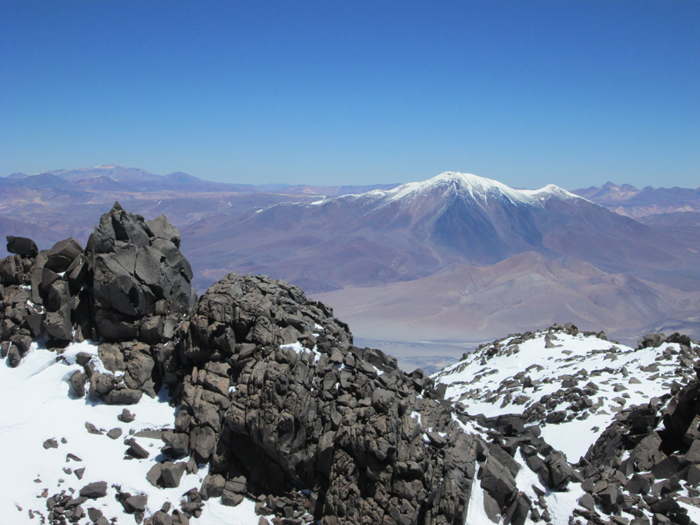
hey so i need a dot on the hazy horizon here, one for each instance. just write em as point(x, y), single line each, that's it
point(337, 183)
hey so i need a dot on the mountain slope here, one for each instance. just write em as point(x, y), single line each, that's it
point(417, 229)
point(626, 416)
point(253, 401)
point(523, 292)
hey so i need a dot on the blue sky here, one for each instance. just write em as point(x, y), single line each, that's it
point(348, 92)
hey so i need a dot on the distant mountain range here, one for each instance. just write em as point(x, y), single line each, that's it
point(462, 254)
point(454, 257)
point(646, 203)
point(120, 178)
point(55, 204)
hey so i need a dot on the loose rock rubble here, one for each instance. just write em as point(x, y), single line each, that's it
point(623, 400)
point(647, 463)
point(281, 408)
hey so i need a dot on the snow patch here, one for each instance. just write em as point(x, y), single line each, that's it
point(36, 404)
point(475, 511)
point(490, 381)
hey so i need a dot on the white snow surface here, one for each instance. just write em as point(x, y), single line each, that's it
point(36, 405)
point(693, 512)
point(486, 385)
point(299, 349)
point(475, 510)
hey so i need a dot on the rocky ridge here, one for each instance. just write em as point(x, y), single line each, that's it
point(278, 405)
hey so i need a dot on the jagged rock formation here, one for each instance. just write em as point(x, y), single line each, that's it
point(130, 286)
point(315, 413)
point(139, 277)
point(632, 399)
point(648, 458)
point(274, 396)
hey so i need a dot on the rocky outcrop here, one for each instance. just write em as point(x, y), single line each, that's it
point(130, 288)
point(278, 399)
point(140, 281)
point(272, 392)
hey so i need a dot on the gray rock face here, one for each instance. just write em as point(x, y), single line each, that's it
point(131, 287)
point(136, 451)
point(77, 383)
point(213, 486)
point(94, 490)
point(14, 356)
point(171, 473)
point(615, 485)
point(134, 504)
point(166, 474)
point(498, 481)
point(61, 256)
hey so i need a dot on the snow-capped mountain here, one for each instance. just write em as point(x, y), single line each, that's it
point(416, 229)
point(479, 189)
point(387, 243)
point(364, 249)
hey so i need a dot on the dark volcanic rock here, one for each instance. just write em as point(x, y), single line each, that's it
point(133, 504)
point(136, 451)
point(62, 254)
point(498, 481)
point(77, 383)
point(130, 284)
point(668, 453)
point(22, 246)
point(94, 490)
point(273, 416)
point(126, 416)
point(171, 473)
point(134, 269)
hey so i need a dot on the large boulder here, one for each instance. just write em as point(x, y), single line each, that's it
point(62, 255)
point(22, 246)
point(139, 276)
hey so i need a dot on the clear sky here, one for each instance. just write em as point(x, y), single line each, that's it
point(354, 92)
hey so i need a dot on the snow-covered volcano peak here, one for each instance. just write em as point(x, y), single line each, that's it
point(479, 188)
point(464, 180)
point(473, 187)
point(466, 185)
